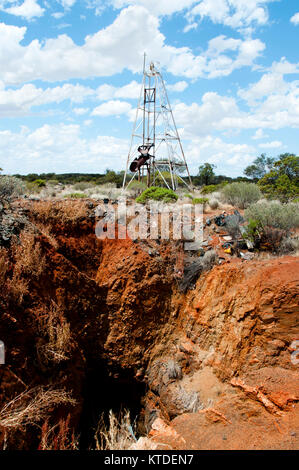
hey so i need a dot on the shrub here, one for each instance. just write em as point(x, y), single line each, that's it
point(282, 181)
point(289, 245)
point(211, 188)
point(75, 195)
point(189, 196)
point(10, 187)
point(274, 214)
point(39, 183)
point(82, 185)
point(157, 194)
point(53, 182)
point(241, 194)
point(136, 187)
point(200, 200)
point(214, 204)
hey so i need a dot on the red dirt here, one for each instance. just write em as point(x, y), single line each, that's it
point(230, 337)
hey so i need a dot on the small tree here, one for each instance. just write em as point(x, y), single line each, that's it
point(282, 181)
point(259, 167)
point(206, 173)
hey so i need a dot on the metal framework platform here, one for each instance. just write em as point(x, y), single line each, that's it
point(156, 152)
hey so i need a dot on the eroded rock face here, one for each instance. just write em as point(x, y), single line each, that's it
point(232, 340)
point(217, 360)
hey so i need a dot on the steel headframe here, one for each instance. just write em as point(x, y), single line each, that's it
point(155, 129)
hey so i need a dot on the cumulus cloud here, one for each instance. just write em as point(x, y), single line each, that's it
point(157, 7)
point(226, 156)
point(27, 9)
point(67, 3)
point(273, 104)
point(178, 86)
point(60, 148)
point(259, 134)
point(112, 108)
point(237, 14)
point(117, 47)
point(271, 145)
point(80, 111)
point(295, 19)
point(14, 102)
point(129, 91)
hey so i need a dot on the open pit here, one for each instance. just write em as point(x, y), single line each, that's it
point(209, 367)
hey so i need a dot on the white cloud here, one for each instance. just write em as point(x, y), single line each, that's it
point(156, 7)
point(80, 111)
point(20, 101)
point(115, 48)
point(259, 135)
point(268, 84)
point(112, 108)
point(228, 157)
point(60, 148)
point(273, 104)
point(67, 3)
point(240, 14)
point(129, 91)
point(57, 15)
point(295, 19)
point(28, 9)
point(178, 86)
point(271, 145)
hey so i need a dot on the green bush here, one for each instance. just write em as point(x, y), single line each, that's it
point(82, 185)
point(282, 181)
point(200, 200)
point(39, 183)
point(241, 194)
point(189, 196)
point(52, 182)
point(157, 194)
point(212, 188)
point(274, 214)
point(10, 187)
point(75, 195)
point(136, 187)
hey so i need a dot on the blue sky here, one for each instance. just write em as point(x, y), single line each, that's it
point(70, 73)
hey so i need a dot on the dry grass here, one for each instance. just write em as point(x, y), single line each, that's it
point(63, 211)
point(32, 406)
point(28, 263)
point(118, 436)
point(28, 256)
point(45, 230)
point(56, 330)
point(58, 437)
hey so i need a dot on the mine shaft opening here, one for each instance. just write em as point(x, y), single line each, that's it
point(106, 390)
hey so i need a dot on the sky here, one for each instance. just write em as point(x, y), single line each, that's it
point(71, 70)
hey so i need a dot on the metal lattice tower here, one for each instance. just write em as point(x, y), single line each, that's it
point(155, 144)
